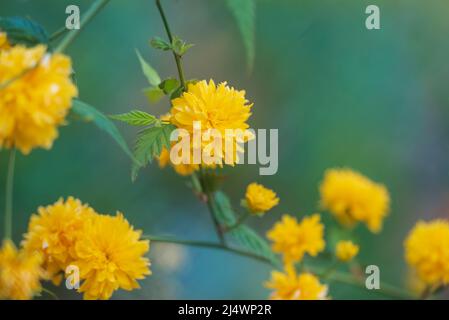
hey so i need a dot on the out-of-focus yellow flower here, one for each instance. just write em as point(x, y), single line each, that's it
point(260, 199)
point(54, 230)
point(37, 98)
point(352, 197)
point(291, 286)
point(20, 273)
point(217, 108)
point(4, 44)
point(181, 169)
point(346, 250)
point(427, 251)
point(110, 256)
point(293, 239)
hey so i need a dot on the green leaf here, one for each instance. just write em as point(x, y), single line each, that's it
point(149, 144)
point(169, 85)
point(23, 31)
point(160, 44)
point(179, 46)
point(154, 94)
point(251, 241)
point(244, 12)
point(151, 74)
point(135, 118)
point(89, 113)
point(223, 209)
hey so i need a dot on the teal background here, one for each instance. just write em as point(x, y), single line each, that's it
point(340, 95)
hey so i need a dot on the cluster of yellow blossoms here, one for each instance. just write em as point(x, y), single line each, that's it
point(352, 197)
point(427, 252)
point(35, 97)
point(216, 110)
point(105, 249)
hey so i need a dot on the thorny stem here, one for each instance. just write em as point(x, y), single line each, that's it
point(337, 276)
point(9, 194)
point(170, 37)
point(91, 12)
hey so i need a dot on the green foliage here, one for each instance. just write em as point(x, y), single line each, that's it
point(23, 31)
point(158, 43)
point(248, 239)
point(135, 118)
point(154, 94)
point(244, 12)
point(150, 73)
point(223, 212)
point(168, 86)
point(89, 113)
point(149, 144)
point(179, 46)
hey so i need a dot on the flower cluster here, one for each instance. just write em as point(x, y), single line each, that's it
point(346, 250)
point(352, 197)
point(106, 250)
point(289, 285)
point(427, 252)
point(260, 199)
point(36, 95)
point(20, 273)
point(215, 109)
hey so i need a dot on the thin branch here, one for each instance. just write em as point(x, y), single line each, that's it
point(9, 194)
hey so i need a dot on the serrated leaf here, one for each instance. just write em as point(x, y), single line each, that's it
point(89, 113)
point(223, 209)
point(244, 13)
point(154, 94)
point(160, 44)
point(23, 31)
point(248, 239)
point(135, 118)
point(149, 72)
point(169, 85)
point(149, 144)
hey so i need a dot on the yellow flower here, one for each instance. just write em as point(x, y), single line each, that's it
point(20, 273)
point(37, 98)
point(294, 239)
point(110, 256)
point(352, 197)
point(291, 286)
point(4, 44)
point(427, 251)
point(181, 169)
point(54, 232)
point(217, 108)
point(260, 199)
point(346, 250)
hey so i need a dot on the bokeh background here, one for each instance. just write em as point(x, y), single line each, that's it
point(340, 95)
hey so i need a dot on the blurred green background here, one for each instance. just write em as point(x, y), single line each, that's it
point(340, 95)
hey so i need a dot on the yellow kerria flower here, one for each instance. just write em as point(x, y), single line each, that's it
point(181, 169)
point(54, 230)
point(427, 251)
point(291, 286)
point(346, 250)
point(260, 199)
point(110, 256)
point(4, 44)
point(20, 273)
point(215, 107)
point(293, 239)
point(352, 197)
point(37, 98)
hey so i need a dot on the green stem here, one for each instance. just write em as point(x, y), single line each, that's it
point(170, 37)
point(50, 293)
point(240, 220)
point(9, 194)
point(210, 245)
point(58, 33)
point(91, 12)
